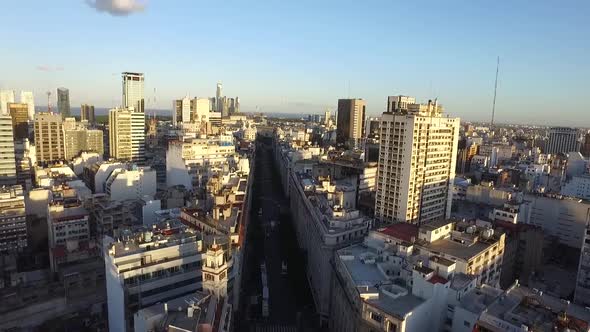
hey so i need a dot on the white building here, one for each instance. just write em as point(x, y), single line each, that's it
point(26, 97)
point(127, 134)
point(191, 162)
point(144, 268)
point(131, 183)
point(133, 91)
point(417, 158)
point(6, 96)
point(85, 159)
point(7, 152)
point(578, 186)
point(201, 110)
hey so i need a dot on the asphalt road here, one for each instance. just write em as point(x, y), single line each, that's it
point(271, 239)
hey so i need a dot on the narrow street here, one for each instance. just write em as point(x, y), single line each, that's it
point(272, 241)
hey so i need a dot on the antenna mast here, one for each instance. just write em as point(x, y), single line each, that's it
point(495, 90)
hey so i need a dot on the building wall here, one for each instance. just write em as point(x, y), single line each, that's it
point(7, 155)
point(131, 184)
point(49, 138)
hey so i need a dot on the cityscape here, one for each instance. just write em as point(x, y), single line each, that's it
point(143, 207)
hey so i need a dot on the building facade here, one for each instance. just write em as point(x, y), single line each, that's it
point(49, 138)
point(13, 223)
point(26, 97)
point(133, 95)
point(417, 159)
point(562, 140)
point(127, 134)
point(7, 152)
point(63, 102)
point(19, 112)
point(87, 113)
point(351, 121)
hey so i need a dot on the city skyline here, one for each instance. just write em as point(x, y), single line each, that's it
point(307, 66)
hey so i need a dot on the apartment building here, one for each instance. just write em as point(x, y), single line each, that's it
point(13, 225)
point(49, 138)
point(127, 134)
point(417, 159)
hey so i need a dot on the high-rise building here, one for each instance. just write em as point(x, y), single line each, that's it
point(562, 140)
point(237, 105)
point(585, 149)
point(7, 157)
point(351, 121)
point(399, 104)
point(87, 113)
point(582, 290)
point(6, 96)
point(19, 112)
point(327, 116)
point(13, 223)
point(63, 102)
point(49, 138)
point(26, 97)
point(200, 110)
point(218, 95)
point(417, 159)
point(78, 138)
point(127, 134)
point(133, 91)
point(372, 128)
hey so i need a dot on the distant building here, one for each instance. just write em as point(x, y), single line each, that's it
point(19, 113)
point(127, 134)
point(133, 95)
point(351, 121)
point(399, 104)
point(6, 97)
point(78, 138)
point(7, 154)
point(13, 225)
point(26, 97)
point(87, 113)
point(585, 150)
point(562, 140)
point(63, 102)
point(417, 159)
point(49, 139)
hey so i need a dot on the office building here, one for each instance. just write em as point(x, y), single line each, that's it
point(150, 266)
point(200, 110)
point(26, 97)
point(181, 110)
point(218, 95)
point(78, 138)
point(87, 113)
point(562, 140)
point(127, 134)
point(327, 118)
point(372, 130)
point(19, 112)
point(133, 91)
point(49, 138)
point(351, 121)
point(6, 97)
point(417, 159)
point(13, 225)
point(399, 104)
point(63, 102)
point(7, 154)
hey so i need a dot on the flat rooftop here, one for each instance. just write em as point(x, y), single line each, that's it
point(453, 248)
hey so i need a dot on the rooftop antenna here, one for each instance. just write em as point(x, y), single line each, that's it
point(495, 90)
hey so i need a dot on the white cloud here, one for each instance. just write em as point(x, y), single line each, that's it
point(117, 7)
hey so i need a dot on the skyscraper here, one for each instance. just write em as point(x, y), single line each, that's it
point(87, 113)
point(63, 102)
point(181, 110)
point(351, 121)
point(417, 159)
point(218, 94)
point(133, 91)
point(562, 140)
point(26, 97)
point(19, 113)
point(6, 96)
point(327, 116)
point(127, 134)
point(7, 158)
point(49, 138)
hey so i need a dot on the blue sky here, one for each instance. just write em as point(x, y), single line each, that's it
point(301, 56)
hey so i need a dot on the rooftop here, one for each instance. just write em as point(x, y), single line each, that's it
point(404, 231)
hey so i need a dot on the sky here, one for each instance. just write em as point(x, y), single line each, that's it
point(301, 56)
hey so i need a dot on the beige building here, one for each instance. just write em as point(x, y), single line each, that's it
point(127, 134)
point(351, 121)
point(19, 112)
point(78, 138)
point(417, 159)
point(49, 137)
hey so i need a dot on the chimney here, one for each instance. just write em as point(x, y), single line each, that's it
point(166, 308)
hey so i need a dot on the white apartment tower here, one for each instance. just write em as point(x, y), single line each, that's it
point(416, 162)
point(133, 91)
point(7, 155)
point(26, 97)
point(127, 134)
point(6, 97)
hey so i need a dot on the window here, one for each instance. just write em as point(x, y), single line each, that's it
point(467, 324)
point(376, 317)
